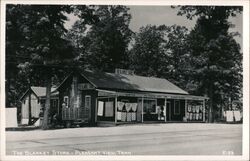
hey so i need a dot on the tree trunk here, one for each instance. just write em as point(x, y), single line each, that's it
point(47, 102)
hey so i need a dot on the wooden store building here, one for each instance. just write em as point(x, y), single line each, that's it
point(123, 97)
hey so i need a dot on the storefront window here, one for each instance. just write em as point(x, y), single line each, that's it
point(149, 109)
point(149, 106)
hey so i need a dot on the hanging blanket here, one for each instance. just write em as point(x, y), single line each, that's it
point(100, 108)
point(237, 115)
point(197, 116)
point(119, 116)
point(133, 116)
point(190, 116)
point(120, 105)
point(109, 112)
point(134, 106)
point(200, 116)
point(194, 116)
point(193, 109)
point(230, 117)
point(129, 116)
point(11, 117)
point(128, 106)
point(197, 109)
point(123, 116)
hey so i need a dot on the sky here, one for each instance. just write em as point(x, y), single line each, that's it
point(158, 15)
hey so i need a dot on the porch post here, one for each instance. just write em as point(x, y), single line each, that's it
point(170, 111)
point(96, 109)
point(185, 108)
point(165, 104)
point(142, 100)
point(115, 109)
point(58, 106)
point(204, 110)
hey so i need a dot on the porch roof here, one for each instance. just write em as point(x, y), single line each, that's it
point(109, 93)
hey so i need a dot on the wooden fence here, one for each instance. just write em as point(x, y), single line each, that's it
point(71, 113)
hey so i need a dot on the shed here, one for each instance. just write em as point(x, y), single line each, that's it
point(36, 96)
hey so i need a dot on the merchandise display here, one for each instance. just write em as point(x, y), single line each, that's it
point(237, 115)
point(100, 108)
point(194, 112)
point(119, 116)
point(109, 112)
point(133, 116)
point(129, 117)
point(120, 105)
point(127, 112)
point(123, 116)
point(134, 107)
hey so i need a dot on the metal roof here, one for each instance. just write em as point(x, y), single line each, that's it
point(103, 80)
point(39, 91)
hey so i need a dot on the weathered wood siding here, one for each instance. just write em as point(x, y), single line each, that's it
point(35, 107)
point(77, 109)
point(92, 111)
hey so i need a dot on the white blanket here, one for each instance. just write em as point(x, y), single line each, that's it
point(237, 115)
point(230, 117)
point(100, 108)
point(11, 117)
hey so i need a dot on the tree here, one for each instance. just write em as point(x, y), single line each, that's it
point(77, 36)
point(104, 35)
point(147, 55)
point(215, 56)
point(160, 51)
point(15, 51)
point(42, 33)
point(177, 55)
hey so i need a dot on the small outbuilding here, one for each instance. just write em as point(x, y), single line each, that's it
point(116, 98)
point(35, 98)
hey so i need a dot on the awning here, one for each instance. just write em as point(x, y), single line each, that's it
point(109, 93)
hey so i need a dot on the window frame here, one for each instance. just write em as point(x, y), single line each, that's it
point(149, 99)
point(66, 102)
point(85, 102)
point(54, 102)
